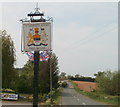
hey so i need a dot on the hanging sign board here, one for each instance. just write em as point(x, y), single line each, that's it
point(36, 36)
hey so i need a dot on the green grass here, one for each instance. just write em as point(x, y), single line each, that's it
point(56, 98)
point(99, 96)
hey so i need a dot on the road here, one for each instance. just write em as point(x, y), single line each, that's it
point(71, 97)
point(16, 104)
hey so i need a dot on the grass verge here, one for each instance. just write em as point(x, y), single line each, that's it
point(56, 98)
point(102, 97)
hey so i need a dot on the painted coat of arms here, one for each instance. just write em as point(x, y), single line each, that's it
point(37, 36)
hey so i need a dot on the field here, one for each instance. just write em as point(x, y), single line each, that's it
point(86, 86)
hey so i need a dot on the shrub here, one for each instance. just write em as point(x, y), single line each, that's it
point(64, 84)
point(108, 82)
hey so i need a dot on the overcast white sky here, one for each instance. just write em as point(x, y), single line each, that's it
point(85, 34)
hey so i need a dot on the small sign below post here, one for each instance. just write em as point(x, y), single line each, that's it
point(36, 36)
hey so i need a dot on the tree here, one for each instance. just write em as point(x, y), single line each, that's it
point(25, 84)
point(108, 82)
point(99, 74)
point(116, 83)
point(25, 80)
point(77, 76)
point(45, 68)
point(63, 75)
point(70, 77)
point(8, 59)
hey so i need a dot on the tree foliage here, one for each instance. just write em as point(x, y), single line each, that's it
point(23, 81)
point(8, 59)
point(25, 84)
point(77, 77)
point(62, 76)
point(69, 76)
point(108, 82)
point(44, 74)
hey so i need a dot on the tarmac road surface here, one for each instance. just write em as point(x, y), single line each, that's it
point(16, 104)
point(71, 97)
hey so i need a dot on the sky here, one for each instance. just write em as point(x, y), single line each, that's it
point(85, 34)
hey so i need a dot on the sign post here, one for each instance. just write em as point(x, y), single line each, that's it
point(35, 80)
point(36, 34)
